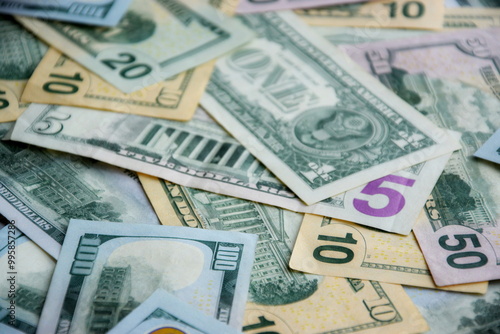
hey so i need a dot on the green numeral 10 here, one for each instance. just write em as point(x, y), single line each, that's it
point(411, 9)
point(62, 87)
point(349, 254)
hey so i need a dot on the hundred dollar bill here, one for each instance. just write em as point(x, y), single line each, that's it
point(200, 154)
point(155, 40)
point(454, 80)
point(491, 149)
point(467, 17)
point(106, 270)
point(331, 247)
point(59, 80)
point(42, 190)
point(454, 313)
point(27, 273)
point(421, 14)
point(21, 53)
point(102, 13)
point(162, 311)
point(311, 116)
point(281, 300)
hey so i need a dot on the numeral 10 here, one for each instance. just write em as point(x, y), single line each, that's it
point(62, 87)
point(410, 9)
point(349, 254)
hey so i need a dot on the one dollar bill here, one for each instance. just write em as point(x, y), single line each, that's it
point(60, 80)
point(310, 115)
point(155, 40)
point(332, 247)
point(208, 269)
point(280, 299)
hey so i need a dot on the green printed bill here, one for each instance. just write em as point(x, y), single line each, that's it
point(21, 53)
point(162, 312)
point(473, 3)
point(155, 40)
point(41, 190)
point(282, 300)
point(453, 79)
point(311, 116)
point(490, 149)
point(28, 271)
point(208, 269)
point(331, 247)
point(200, 154)
point(456, 313)
point(358, 35)
point(5, 329)
point(101, 13)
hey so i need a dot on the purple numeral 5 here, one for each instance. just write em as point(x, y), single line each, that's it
point(396, 200)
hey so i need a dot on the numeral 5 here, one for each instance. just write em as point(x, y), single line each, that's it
point(396, 200)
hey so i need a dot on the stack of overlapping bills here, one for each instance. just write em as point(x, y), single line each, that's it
point(240, 166)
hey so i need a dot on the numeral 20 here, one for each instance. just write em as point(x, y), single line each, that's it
point(129, 70)
point(462, 243)
point(349, 254)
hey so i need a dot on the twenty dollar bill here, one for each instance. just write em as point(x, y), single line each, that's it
point(59, 80)
point(155, 40)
